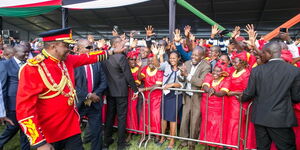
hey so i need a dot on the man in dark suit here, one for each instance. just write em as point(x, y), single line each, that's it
point(10, 86)
point(274, 86)
point(90, 83)
point(119, 77)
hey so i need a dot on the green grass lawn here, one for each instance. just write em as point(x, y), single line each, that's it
point(14, 144)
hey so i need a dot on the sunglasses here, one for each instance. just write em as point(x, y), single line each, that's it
point(89, 47)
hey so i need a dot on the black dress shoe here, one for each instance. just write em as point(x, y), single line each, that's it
point(107, 144)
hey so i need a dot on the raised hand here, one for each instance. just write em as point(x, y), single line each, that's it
point(100, 43)
point(236, 32)
point(149, 31)
point(114, 33)
point(187, 30)
point(251, 33)
point(214, 30)
point(132, 33)
point(201, 42)
point(154, 49)
point(192, 37)
point(177, 36)
point(161, 50)
point(134, 43)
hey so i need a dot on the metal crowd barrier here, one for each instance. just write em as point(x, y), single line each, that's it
point(238, 146)
point(247, 125)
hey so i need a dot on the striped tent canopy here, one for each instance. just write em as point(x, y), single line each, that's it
point(26, 8)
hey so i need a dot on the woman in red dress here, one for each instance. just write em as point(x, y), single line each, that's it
point(152, 77)
point(132, 114)
point(239, 81)
point(216, 86)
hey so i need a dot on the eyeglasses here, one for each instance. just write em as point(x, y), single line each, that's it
point(89, 47)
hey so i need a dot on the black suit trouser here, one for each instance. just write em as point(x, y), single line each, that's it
point(119, 105)
point(71, 143)
point(284, 138)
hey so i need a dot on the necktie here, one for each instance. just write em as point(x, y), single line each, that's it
point(89, 78)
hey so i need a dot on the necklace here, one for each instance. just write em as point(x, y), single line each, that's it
point(66, 81)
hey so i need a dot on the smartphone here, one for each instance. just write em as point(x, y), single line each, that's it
point(283, 30)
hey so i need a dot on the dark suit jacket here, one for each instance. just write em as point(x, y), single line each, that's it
point(274, 87)
point(99, 84)
point(118, 75)
point(10, 82)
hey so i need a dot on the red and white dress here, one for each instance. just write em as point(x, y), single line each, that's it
point(150, 79)
point(239, 82)
point(211, 110)
point(132, 113)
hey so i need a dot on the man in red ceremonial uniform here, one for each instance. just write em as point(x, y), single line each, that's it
point(46, 94)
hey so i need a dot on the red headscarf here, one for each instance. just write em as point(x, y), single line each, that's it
point(241, 56)
point(132, 54)
point(286, 55)
point(225, 70)
point(150, 55)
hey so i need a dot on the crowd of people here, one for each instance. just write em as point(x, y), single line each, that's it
point(46, 85)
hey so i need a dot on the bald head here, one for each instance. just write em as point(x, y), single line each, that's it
point(115, 41)
point(273, 49)
point(197, 55)
point(21, 52)
point(8, 51)
point(199, 49)
point(83, 45)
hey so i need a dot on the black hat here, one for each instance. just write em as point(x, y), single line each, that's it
point(64, 35)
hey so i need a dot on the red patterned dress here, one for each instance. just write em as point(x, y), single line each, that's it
point(150, 79)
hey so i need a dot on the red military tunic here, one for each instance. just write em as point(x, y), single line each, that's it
point(132, 113)
point(45, 111)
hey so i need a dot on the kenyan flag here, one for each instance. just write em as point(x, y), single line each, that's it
point(26, 8)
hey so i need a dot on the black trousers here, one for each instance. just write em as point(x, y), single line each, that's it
point(71, 143)
point(116, 105)
point(94, 132)
point(284, 138)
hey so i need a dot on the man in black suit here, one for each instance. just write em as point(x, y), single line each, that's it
point(10, 85)
point(274, 86)
point(119, 77)
point(90, 83)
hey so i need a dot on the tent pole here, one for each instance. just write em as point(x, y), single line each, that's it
point(1, 23)
point(64, 17)
point(172, 16)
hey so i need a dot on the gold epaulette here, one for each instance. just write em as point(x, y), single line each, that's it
point(35, 60)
